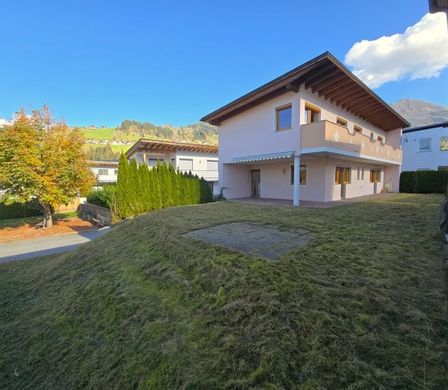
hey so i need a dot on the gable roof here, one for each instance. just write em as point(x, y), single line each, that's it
point(328, 77)
point(165, 146)
point(425, 127)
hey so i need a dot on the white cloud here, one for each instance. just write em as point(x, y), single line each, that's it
point(420, 52)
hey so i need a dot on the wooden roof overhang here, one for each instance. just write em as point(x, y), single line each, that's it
point(330, 79)
point(145, 145)
point(103, 163)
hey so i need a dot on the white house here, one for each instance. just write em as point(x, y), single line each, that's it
point(199, 159)
point(105, 171)
point(315, 133)
point(425, 147)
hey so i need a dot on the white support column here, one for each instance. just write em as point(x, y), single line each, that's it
point(296, 180)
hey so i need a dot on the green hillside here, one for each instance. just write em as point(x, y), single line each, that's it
point(362, 307)
point(122, 137)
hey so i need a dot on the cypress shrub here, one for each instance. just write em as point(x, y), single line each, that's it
point(140, 189)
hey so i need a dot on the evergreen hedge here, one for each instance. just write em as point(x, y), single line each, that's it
point(140, 189)
point(424, 182)
point(18, 210)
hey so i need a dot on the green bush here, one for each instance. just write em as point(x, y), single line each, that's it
point(407, 182)
point(18, 210)
point(140, 189)
point(424, 182)
point(102, 197)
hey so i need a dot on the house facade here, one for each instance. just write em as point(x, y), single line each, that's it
point(105, 171)
point(199, 159)
point(425, 147)
point(315, 133)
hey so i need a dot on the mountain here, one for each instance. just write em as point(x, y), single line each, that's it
point(198, 132)
point(106, 143)
point(421, 113)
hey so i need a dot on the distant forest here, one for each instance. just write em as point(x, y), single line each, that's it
point(198, 132)
point(107, 143)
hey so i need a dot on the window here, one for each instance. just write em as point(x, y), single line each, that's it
point(342, 175)
point(375, 175)
point(312, 113)
point(372, 137)
point(341, 122)
point(284, 118)
point(152, 162)
point(444, 144)
point(381, 139)
point(103, 171)
point(116, 172)
point(212, 165)
point(358, 173)
point(358, 129)
point(424, 145)
point(186, 164)
point(302, 174)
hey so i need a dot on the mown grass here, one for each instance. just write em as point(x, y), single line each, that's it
point(17, 222)
point(363, 306)
point(100, 133)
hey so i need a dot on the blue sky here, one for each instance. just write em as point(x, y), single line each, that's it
point(99, 62)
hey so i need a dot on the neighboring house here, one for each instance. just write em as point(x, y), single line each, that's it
point(315, 133)
point(425, 147)
point(199, 159)
point(105, 171)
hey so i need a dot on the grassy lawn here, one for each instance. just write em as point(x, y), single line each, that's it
point(106, 133)
point(16, 222)
point(363, 306)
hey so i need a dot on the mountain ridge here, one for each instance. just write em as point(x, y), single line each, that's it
point(420, 113)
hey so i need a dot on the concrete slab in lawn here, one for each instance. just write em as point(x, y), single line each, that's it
point(252, 239)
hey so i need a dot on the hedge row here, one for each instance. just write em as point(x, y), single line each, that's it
point(140, 189)
point(424, 182)
point(17, 210)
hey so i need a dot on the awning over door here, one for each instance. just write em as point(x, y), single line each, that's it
point(264, 157)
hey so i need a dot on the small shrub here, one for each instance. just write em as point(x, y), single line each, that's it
point(102, 197)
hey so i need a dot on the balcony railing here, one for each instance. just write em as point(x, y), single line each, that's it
point(329, 135)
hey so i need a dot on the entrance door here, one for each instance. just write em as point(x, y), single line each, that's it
point(256, 179)
point(342, 177)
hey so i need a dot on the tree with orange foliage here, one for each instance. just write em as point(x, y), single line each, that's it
point(43, 162)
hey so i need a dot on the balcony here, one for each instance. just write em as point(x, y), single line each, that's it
point(326, 137)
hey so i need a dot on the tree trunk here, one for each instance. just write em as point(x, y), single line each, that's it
point(48, 218)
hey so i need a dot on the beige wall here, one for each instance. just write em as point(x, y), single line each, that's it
point(253, 132)
point(320, 186)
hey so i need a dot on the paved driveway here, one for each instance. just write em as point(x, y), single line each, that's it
point(26, 249)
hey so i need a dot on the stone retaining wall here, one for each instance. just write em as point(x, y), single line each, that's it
point(98, 215)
